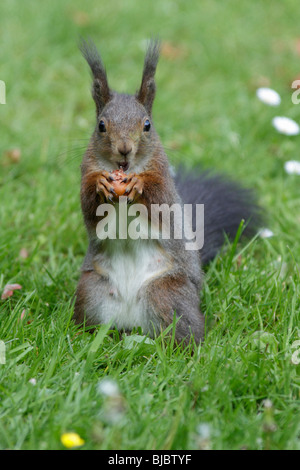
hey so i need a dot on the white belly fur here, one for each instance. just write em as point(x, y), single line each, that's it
point(130, 266)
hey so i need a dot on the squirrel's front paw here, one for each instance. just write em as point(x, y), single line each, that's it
point(104, 186)
point(135, 187)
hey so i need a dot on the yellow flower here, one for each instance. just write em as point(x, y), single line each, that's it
point(71, 439)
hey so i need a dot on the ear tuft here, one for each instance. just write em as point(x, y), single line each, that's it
point(100, 89)
point(146, 92)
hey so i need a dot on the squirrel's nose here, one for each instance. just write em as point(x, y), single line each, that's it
point(124, 149)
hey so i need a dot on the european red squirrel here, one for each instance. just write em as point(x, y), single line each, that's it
point(143, 282)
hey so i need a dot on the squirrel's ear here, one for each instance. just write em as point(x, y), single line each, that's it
point(146, 92)
point(100, 89)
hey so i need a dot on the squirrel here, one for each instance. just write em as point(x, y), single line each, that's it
point(145, 282)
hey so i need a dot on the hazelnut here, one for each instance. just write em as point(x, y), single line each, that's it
point(118, 185)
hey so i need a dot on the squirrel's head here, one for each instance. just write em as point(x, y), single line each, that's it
point(123, 136)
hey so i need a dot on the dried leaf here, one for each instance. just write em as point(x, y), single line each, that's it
point(13, 155)
point(23, 253)
point(9, 290)
point(172, 51)
point(81, 18)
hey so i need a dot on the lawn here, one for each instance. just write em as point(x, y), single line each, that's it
point(241, 388)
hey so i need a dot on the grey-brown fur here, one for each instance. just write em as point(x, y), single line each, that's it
point(100, 89)
point(147, 90)
point(135, 281)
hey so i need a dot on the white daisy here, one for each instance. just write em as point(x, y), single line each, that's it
point(285, 125)
point(108, 388)
point(268, 96)
point(266, 233)
point(292, 167)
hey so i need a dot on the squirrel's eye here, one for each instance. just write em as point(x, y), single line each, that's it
point(147, 126)
point(102, 127)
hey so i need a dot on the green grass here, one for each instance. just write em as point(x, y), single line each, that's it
point(240, 390)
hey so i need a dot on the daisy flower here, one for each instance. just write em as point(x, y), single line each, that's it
point(292, 167)
point(266, 233)
point(268, 96)
point(285, 125)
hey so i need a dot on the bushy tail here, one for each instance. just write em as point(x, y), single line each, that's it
point(225, 205)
